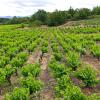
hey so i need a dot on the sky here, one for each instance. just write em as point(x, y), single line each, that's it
point(28, 7)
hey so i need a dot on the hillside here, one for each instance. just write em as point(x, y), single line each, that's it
point(91, 22)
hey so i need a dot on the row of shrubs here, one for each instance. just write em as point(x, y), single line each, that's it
point(65, 88)
point(29, 84)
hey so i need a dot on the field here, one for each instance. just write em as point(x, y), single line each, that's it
point(93, 21)
point(57, 63)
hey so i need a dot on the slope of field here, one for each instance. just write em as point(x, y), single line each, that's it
point(58, 63)
point(86, 22)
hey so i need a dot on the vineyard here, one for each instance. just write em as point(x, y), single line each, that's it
point(57, 63)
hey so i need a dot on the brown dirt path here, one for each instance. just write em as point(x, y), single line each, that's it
point(35, 57)
point(1, 98)
point(98, 42)
point(49, 82)
point(46, 77)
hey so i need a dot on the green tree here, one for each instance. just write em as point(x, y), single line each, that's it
point(82, 13)
point(57, 18)
point(96, 10)
point(71, 11)
point(13, 20)
point(40, 15)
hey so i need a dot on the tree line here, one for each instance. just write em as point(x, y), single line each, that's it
point(41, 17)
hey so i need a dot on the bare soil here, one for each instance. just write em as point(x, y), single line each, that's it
point(63, 60)
point(68, 24)
point(1, 98)
point(98, 42)
point(48, 91)
point(25, 28)
point(76, 81)
point(35, 57)
point(49, 82)
point(91, 90)
point(89, 59)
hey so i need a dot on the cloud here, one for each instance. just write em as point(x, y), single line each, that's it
point(31, 3)
point(28, 7)
point(25, 7)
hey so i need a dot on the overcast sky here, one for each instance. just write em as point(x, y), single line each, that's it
point(28, 7)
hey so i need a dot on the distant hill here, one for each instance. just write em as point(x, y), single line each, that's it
point(5, 16)
point(9, 16)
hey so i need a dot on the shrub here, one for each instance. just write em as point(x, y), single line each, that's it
point(87, 75)
point(33, 69)
point(15, 62)
point(62, 84)
point(12, 51)
point(22, 25)
point(95, 50)
point(94, 97)
point(45, 43)
point(23, 56)
point(79, 48)
point(2, 76)
point(44, 49)
point(74, 93)
point(18, 94)
point(4, 61)
point(58, 56)
point(58, 69)
point(9, 71)
point(36, 23)
point(31, 83)
point(73, 60)
point(54, 47)
point(32, 47)
point(19, 60)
